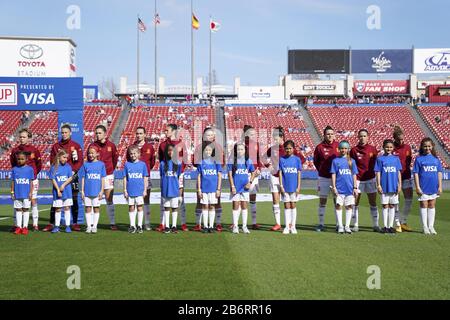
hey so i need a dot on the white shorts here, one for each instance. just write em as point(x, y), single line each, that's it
point(181, 181)
point(243, 196)
point(91, 202)
point(208, 198)
point(109, 182)
point(254, 187)
point(138, 201)
point(369, 186)
point(290, 197)
point(60, 203)
point(171, 202)
point(407, 184)
point(389, 198)
point(344, 200)
point(427, 197)
point(323, 187)
point(274, 184)
point(22, 204)
point(35, 186)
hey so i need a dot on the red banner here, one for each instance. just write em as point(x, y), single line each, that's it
point(381, 87)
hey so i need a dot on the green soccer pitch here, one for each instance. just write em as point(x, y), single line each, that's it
point(261, 265)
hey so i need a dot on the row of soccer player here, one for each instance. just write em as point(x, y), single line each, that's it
point(346, 180)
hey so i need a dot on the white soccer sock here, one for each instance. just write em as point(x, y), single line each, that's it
point(396, 215)
point(67, 217)
point(424, 217)
point(167, 218)
point(89, 220)
point(244, 217)
point(253, 210)
point(57, 218)
point(356, 215)
point(236, 217)
point(140, 215)
point(174, 218)
point(277, 213)
point(348, 217)
point(406, 211)
point(294, 218)
point(339, 217)
point(431, 217)
point(391, 217)
point(132, 215)
point(218, 215)
point(198, 216)
point(147, 213)
point(14, 217)
point(287, 217)
point(375, 216)
point(205, 218)
point(35, 215)
point(96, 219)
point(321, 215)
point(182, 210)
point(26, 219)
point(111, 213)
point(386, 217)
point(212, 216)
point(19, 218)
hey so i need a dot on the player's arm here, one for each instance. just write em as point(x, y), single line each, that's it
point(417, 182)
point(199, 185)
point(439, 183)
point(230, 178)
point(12, 189)
point(66, 183)
point(378, 176)
point(125, 192)
point(219, 184)
point(115, 156)
point(82, 188)
point(38, 161)
point(280, 178)
point(299, 181)
point(355, 189)
point(399, 183)
point(55, 185)
point(333, 183)
point(316, 159)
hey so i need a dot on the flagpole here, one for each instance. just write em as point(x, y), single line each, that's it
point(156, 55)
point(192, 51)
point(210, 59)
point(137, 67)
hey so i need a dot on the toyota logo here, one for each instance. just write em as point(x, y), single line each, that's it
point(31, 51)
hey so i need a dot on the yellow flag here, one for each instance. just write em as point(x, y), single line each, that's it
point(195, 22)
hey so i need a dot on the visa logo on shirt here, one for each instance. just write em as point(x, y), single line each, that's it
point(290, 170)
point(345, 172)
point(94, 176)
point(210, 172)
point(61, 179)
point(242, 171)
point(22, 181)
point(430, 168)
point(390, 169)
point(135, 175)
point(171, 174)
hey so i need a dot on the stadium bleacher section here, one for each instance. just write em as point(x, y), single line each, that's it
point(437, 118)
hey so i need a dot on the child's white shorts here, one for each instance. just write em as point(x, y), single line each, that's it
point(344, 200)
point(22, 204)
point(254, 187)
point(171, 202)
point(59, 203)
point(290, 197)
point(243, 196)
point(389, 198)
point(427, 197)
point(181, 181)
point(136, 201)
point(208, 198)
point(91, 202)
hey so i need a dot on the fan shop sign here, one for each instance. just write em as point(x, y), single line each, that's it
point(381, 87)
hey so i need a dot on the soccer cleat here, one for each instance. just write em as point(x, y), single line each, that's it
point(276, 227)
point(392, 230)
point(76, 227)
point(348, 230)
point(184, 227)
point(211, 230)
point(286, 230)
point(398, 229)
point(13, 229)
point(256, 226)
point(148, 227)
point(114, 227)
point(197, 228)
point(25, 231)
point(432, 231)
point(219, 228)
point(55, 230)
point(94, 230)
point(245, 230)
point(139, 230)
point(320, 228)
point(17, 230)
point(131, 229)
point(426, 231)
point(68, 229)
point(376, 229)
point(205, 230)
point(166, 230)
point(174, 230)
point(35, 228)
point(406, 228)
point(341, 230)
point(355, 228)
point(88, 230)
point(48, 228)
point(235, 229)
point(161, 228)
point(294, 230)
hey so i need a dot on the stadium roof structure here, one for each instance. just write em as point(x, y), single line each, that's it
point(38, 39)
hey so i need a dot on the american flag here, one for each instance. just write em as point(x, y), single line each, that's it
point(157, 19)
point(141, 25)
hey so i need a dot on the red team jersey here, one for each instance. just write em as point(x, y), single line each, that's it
point(275, 156)
point(147, 155)
point(253, 153)
point(179, 149)
point(33, 157)
point(404, 152)
point(108, 154)
point(365, 158)
point(323, 157)
point(69, 146)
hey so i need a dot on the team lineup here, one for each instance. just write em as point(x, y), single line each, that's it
point(344, 172)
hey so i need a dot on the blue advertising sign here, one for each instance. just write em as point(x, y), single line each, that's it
point(382, 61)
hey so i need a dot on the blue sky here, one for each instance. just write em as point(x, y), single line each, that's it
point(252, 42)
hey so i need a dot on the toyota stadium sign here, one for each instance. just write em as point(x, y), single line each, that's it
point(37, 57)
point(432, 60)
